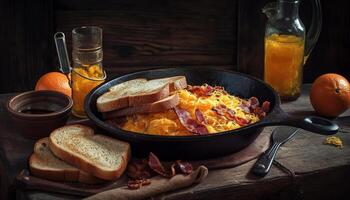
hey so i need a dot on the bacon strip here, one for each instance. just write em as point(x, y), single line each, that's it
point(266, 106)
point(190, 124)
point(155, 164)
point(184, 167)
point(220, 109)
point(204, 90)
point(199, 116)
point(253, 102)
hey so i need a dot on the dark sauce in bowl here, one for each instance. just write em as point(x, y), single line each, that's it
point(36, 111)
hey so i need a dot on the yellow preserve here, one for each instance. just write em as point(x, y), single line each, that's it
point(284, 55)
point(84, 79)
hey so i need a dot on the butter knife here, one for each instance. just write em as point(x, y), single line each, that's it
point(280, 135)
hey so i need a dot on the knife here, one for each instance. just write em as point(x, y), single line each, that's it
point(280, 135)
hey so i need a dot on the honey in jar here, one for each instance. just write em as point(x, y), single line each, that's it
point(284, 57)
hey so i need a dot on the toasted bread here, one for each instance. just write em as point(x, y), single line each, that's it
point(138, 91)
point(158, 106)
point(175, 82)
point(99, 155)
point(44, 164)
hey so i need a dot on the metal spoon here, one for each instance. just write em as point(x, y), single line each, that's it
point(60, 41)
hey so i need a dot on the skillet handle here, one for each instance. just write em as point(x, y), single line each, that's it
point(314, 124)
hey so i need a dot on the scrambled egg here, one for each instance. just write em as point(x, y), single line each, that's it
point(167, 123)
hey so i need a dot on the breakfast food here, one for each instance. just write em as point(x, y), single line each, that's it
point(44, 164)
point(54, 81)
point(139, 91)
point(99, 155)
point(158, 106)
point(200, 110)
point(330, 95)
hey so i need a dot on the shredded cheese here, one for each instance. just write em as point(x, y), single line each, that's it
point(167, 122)
point(335, 141)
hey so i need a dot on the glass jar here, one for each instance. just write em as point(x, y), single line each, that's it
point(87, 72)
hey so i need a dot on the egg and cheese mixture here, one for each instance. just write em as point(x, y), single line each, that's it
point(209, 105)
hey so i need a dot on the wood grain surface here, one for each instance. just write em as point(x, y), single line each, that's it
point(320, 171)
point(157, 33)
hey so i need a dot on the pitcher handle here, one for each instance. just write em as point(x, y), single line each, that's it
point(315, 28)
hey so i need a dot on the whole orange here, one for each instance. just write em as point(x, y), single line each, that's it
point(54, 81)
point(330, 95)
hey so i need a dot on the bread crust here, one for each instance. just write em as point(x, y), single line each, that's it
point(173, 84)
point(87, 166)
point(57, 174)
point(159, 106)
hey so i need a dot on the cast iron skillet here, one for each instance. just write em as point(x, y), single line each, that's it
point(205, 146)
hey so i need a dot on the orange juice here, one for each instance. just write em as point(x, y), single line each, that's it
point(284, 56)
point(84, 79)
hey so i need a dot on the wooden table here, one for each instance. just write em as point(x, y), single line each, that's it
point(304, 168)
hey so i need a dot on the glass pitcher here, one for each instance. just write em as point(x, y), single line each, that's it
point(287, 47)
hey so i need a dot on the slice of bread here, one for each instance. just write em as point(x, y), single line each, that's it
point(139, 91)
point(175, 82)
point(158, 106)
point(117, 97)
point(133, 94)
point(99, 155)
point(43, 164)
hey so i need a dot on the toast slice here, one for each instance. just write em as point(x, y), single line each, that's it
point(175, 82)
point(139, 91)
point(147, 92)
point(158, 106)
point(117, 96)
point(43, 164)
point(99, 155)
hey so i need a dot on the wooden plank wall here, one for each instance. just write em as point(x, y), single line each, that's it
point(142, 34)
point(26, 31)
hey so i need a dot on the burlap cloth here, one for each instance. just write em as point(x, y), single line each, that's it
point(158, 185)
point(118, 190)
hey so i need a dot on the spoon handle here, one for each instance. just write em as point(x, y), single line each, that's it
point(60, 41)
point(263, 164)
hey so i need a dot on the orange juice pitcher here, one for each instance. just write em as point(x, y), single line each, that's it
point(287, 47)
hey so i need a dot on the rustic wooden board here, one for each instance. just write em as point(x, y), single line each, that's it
point(328, 172)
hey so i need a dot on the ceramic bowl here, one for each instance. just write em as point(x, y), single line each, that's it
point(37, 113)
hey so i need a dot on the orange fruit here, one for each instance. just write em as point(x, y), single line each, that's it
point(54, 81)
point(330, 95)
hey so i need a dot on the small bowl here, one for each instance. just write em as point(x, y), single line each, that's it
point(37, 113)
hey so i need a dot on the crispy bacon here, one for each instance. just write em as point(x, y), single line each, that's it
point(230, 114)
point(204, 90)
point(253, 102)
point(266, 106)
point(139, 170)
point(220, 109)
point(241, 121)
point(200, 117)
point(155, 164)
point(184, 167)
point(190, 124)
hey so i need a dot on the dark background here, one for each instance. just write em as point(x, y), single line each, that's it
point(141, 34)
